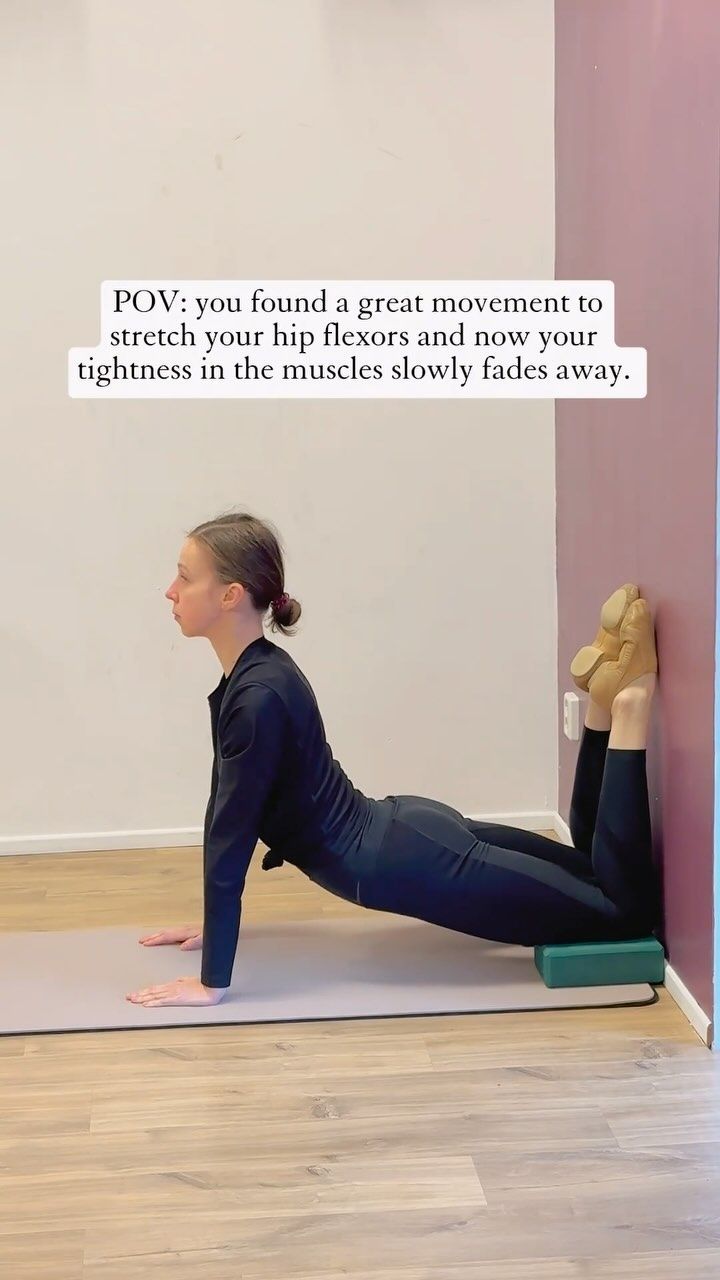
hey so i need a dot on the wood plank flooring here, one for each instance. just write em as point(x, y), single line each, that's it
point(562, 1145)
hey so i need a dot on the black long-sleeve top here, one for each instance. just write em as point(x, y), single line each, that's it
point(274, 779)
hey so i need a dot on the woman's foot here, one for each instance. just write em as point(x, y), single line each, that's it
point(637, 658)
point(607, 643)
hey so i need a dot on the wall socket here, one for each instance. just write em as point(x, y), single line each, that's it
point(571, 716)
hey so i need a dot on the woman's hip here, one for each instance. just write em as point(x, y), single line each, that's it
point(414, 852)
point(425, 861)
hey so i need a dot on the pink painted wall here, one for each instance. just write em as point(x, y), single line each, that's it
point(637, 202)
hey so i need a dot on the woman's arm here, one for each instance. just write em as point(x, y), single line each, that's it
point(252, 733)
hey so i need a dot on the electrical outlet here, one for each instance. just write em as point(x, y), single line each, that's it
point(571, 716)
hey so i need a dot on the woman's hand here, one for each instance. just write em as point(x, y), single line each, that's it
point(189, 935)
point(181, 991)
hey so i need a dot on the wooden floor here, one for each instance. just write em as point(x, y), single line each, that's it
point(533, 1146)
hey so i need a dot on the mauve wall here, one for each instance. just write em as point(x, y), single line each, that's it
point(638, 176)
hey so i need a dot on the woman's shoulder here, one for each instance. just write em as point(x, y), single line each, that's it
point(253, 716)
point(270, 676)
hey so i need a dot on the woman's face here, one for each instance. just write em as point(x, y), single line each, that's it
point(195, 593)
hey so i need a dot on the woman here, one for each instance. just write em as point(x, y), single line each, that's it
point(274, 779)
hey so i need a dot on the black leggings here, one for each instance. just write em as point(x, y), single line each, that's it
point(503, 883)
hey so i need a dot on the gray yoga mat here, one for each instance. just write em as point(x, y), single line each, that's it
point(381, 966)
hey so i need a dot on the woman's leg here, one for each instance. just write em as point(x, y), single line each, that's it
point(584, 803)
point(516, 886)
point(589, 770)
point(622, 841)
point(624, 891)
point(587, 786)
point(583, 806)
point(538, 846)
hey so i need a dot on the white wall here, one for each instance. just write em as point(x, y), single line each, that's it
point(405, 140)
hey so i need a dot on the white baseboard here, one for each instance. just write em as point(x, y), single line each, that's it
point(696, 1016)
point(674, 985)
point(528, 820)
point(561, 828)
point(98, 841)
point(181, 837)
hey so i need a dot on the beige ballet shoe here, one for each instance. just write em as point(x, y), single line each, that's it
point(606, 645)
point(638, 656)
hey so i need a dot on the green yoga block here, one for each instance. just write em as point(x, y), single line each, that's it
point(600, 964)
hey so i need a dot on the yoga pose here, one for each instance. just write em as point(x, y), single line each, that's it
point(274, 779)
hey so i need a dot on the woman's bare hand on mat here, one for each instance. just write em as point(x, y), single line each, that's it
point(181, 991)
point(189, 935)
